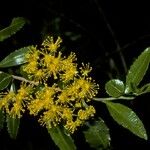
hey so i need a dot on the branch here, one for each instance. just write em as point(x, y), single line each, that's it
point(113, 98)
point(22, 79)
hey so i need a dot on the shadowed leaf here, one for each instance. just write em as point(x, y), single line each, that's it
point(13, 126)
point(5, 79)
point(16, 25)
point(97, 135)
point(61, 138)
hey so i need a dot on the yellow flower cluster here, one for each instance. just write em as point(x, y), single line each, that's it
point(14, 102)
point(63, 93)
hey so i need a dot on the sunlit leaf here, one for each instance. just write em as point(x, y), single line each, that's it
point(127, 118)
point(97, 135)
point(137, 70)
point(61, 138)
point(115, 88)
point(16, 25)
point(15, 58)
point(5, 79)
point(13, 126)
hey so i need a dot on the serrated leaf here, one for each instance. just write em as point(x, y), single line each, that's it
point(127, 118)
point(137, 70)
point(13, 126)
point(16, 25)
point(61, 139)
point(115, 88)
point(5, 79)
point(2, 119)
point(15, 58)
point(97, 135)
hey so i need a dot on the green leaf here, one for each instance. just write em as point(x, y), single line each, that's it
point(137, 70)
point(127, 118)
point(2, 119)
point(16, 25)
point(97, 135)
point(13, 126)
point(5, 79)
point(144, 89)
point(61, 138)
point(12, 123)
point(115, 88)
point(15, 58)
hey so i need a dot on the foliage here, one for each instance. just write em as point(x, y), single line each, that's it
point(60, 94)
point(16, 25)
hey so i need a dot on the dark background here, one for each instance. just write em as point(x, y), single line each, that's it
point(109, 34)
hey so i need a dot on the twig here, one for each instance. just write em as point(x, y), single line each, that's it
point(25, 80)
point(22, 79)
point(112, 98)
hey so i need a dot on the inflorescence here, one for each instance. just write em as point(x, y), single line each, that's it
point(63, 92)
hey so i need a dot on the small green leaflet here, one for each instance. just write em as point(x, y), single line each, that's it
point(97, 135)
point(115, 88)
point(127, 118)
point(61, 138)
point(16, 25)
point(12, 126)
point(15, 58)
point(5, 80)
point(137, 70)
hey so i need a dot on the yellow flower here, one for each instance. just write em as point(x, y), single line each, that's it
point(82, 114)
point(69, 61)
point(52, 116)
point(85, 69)
point(16, 110)
point(67, 114)
point(63, 97)
point(33, 54)
point(13, 102)
point(50, 45)
point(52, 64)
point(73, 125)
point(39, 75)
point(22, 95)
point(66, 96)
point(85, 88)
point(31, 67)
point(43, 100)
point(24, 91)
point(69, 73)
point(85, 114)
point(6, 100)
point(35, 106)
point(90, 110)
